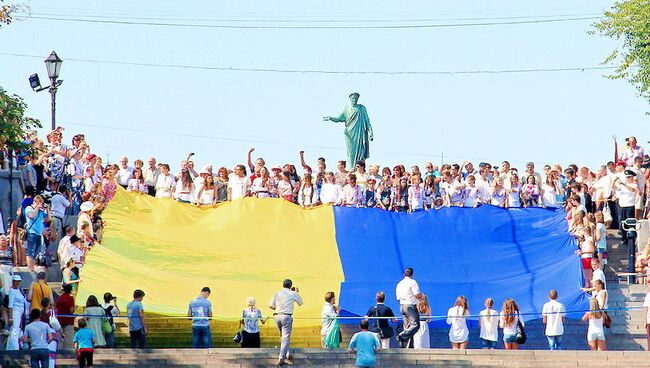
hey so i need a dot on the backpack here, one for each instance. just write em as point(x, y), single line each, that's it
point(109, 315)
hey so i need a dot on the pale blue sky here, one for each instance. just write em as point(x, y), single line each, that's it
point(545, 117)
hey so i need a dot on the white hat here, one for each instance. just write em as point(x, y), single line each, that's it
point(87, 206)
point(17, 278)
point(207, 169)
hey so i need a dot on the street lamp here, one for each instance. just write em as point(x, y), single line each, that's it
point(53, 65)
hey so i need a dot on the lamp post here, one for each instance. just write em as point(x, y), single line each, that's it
point(53, 65)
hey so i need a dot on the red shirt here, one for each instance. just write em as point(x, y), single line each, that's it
point(64, 304)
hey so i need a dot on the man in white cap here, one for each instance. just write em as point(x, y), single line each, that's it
point(84, 216)
point(17, 307)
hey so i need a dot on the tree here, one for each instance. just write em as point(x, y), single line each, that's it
point(5, 13)
point(629, 22)
point(14, 125)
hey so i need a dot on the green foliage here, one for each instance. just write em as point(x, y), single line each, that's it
point(14, 125)
point(5, 13)
point(629, 22)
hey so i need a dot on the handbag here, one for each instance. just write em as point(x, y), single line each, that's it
point(607, 214)
point(520, 335)
point(333, 338)
point(238, 338)
point(607, 320)
point(107, 328)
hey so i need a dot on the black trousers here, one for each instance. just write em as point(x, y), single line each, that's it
point(250, 340)
point(138, 339)
point(624, 214)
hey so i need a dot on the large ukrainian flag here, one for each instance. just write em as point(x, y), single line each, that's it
point(247, 247)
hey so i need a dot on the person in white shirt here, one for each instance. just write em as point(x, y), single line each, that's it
point(59, 203)
point(471, 193)
point(352, 193)
point(64, 246)
point(553, 315)
point(415, 195)
point(282, 305)
point(640, 182)
point(239, 184)
point(595, 332)
point(328, 316)
point(456, 317)
point(151, 176)
point(124, 173)
point(165, 182)
point(17, 307)
point(408, 293)
point(626, 192)
point(597, 274)
point(489, 323)
point(631, 151)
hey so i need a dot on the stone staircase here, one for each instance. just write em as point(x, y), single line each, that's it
point(338, 358)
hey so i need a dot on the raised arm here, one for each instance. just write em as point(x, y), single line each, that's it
point(249, 159)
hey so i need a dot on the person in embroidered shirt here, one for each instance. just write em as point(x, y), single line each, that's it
point(282, 305)
point(330, 192)
point(631, 151)
point(408, 293)
point(341, 175)
point(352, 193)
point(471, 193)
point(415, 195)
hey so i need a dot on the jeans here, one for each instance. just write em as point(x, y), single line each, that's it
point(201, 337)
point(554, 342)
point(34, 244)
point(411, 321)
point(285, 325)
point(110, 339)
point(39, 358)
point(488, 344)
point(138, 339)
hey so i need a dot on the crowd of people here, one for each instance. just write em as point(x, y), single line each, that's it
point(63, 182)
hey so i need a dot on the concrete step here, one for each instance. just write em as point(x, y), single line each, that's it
point(339, 358)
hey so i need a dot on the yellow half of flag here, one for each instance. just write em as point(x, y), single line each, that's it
point(240, 249)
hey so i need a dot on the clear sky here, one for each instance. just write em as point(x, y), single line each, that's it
point(139, 111)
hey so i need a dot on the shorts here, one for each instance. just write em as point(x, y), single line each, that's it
point(510, 338)
point(593, 336)
point(487, 344)
point(34, 245)
point(586, 263)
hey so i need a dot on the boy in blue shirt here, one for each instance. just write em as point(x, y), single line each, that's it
point(364, 344)
point(84, 341)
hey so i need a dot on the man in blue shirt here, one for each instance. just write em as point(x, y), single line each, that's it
point(137, 325)
point(35, 215)
point(201, 311)
point(38, 334)
point(364, 344)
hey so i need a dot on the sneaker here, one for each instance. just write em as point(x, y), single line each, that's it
point(281, 362)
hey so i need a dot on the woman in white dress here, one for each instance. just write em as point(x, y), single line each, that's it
point(207, 195)
point(550, 191)
point(456, 317)
point(421, 339)
point(596, 332)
